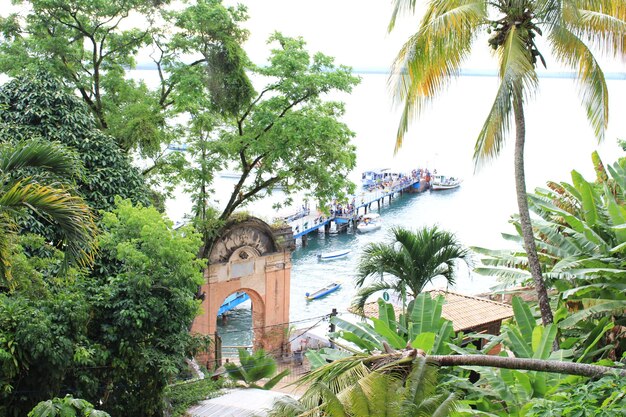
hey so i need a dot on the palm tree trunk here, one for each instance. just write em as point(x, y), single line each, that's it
point(561, 367)
point(524, 214)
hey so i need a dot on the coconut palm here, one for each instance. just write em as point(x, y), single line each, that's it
point(428, 60)
point(413, 259)
point(23, 170)
point(362, 385)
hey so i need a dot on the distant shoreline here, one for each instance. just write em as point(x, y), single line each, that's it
point(463, 72)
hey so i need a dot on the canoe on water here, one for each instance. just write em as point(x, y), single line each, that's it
point(323, 291)
point(333, 255)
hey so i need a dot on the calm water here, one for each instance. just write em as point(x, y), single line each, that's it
point(559, 140)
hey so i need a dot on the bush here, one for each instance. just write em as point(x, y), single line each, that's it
point(184, 395)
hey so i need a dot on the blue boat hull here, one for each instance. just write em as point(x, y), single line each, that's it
point(232, 301)
point(323, 292)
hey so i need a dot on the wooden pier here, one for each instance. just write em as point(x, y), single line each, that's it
point(305, 222)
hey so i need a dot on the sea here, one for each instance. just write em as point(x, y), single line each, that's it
point(559, 140)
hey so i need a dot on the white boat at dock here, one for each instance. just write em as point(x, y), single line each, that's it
point(328, 256)
point(442, 182)
point(369, 223)
point(230, 174)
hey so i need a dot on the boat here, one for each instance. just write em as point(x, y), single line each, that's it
point(334, 286)
point(369, 223)
point(374, 177)
point(333, 255)
point(230, 174)
point(232, 301)
point(442, 182)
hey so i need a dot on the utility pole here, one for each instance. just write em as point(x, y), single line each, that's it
point(331, 328)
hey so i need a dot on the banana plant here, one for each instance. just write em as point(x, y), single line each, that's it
point(422, 327)
point(580, 233)
point(512, 389)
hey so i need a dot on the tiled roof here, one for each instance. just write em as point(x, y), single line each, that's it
point(464, 311)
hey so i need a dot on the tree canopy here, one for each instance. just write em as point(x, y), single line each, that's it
point(38, 105)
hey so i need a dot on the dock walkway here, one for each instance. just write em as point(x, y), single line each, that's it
point(304, 221)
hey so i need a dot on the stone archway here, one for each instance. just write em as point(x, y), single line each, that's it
point(250, 256)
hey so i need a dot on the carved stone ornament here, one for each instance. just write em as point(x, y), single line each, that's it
point(253, 233)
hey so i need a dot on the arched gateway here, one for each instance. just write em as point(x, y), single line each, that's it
point(250, 256)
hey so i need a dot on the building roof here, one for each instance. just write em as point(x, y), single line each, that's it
point(237, 403)
point(466, 312)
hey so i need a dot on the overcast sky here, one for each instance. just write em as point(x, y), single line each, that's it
point(354, 32)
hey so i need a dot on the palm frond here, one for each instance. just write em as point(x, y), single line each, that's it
point(431, 57)
point(400, 7)
point(364, 293)
point(517, 79)
point(602, 23)
point(68, 213)
point(570, 50)
point(7, 232)
point(49, 156)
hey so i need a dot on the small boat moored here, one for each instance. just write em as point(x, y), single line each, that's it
point(334, 286)
point(442, 182)
point(333, 255)
point(369, 222)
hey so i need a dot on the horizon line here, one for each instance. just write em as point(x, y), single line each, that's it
point(468, 72)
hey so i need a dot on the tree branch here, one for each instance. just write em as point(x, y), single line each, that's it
point(560, 367)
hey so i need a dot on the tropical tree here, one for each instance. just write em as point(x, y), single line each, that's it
point(287, 136)
point(579, 230)
point(429, 59)
point(413, 259)
point(195, 48)
point(23, 171)
point(55, 114)
point(371, 386)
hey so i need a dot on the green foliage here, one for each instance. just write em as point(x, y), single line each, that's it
point(579, 231)
point(422, 327)
point(506, 391)
point(412, 259)
point(66, 407)
point(115, 338)
point(40, 340)
point(386, 386)
point(181, 397)
point(91, 45)
point(28, 187)
point(285, 136)
point(55, 115)
point(254, 367)
point(142, 310)
point(84, 44)
point(604, 397)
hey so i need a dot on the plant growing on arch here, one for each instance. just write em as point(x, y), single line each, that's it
point(445, 37)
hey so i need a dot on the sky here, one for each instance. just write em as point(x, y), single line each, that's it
point(354, 32)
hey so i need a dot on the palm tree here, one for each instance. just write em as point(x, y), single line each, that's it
point(428, 60)
point(413, 258)
point(366, 385)
point(23, 169)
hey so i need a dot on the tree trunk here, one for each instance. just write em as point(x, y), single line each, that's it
point(560, 367)
point(524, 214)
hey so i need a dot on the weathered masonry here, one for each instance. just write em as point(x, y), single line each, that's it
point(251, 257)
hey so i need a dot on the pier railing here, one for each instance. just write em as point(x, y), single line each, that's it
point(304, 221)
